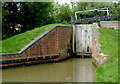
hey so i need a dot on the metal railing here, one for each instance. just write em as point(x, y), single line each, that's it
point(101, 18)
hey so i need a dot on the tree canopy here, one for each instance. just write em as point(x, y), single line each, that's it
point(27, 14)
point(18, 17)
point(81, 6)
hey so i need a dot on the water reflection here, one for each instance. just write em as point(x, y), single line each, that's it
point(72, 70)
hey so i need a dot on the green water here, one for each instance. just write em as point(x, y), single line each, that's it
point(71, 70)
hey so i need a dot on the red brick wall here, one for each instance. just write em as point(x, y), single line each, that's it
point(94, 52)
point(47, 46)
point(64, 44)
point(56, 42)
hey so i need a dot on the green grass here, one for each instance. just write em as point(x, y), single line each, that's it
point(108, 72)
point(15, 43)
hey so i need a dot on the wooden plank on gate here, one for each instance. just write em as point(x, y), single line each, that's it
point(82, 37)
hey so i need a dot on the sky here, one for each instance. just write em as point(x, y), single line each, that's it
point(63, 1)
point(68, 1)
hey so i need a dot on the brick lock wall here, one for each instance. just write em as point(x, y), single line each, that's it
point(94, 52)
point(94, 36)
point(54, 43)
point(10, 57)
point(110, 24)
point(64, 44)
point(47, 46)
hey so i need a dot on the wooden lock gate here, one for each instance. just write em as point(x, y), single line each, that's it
point(82, 39)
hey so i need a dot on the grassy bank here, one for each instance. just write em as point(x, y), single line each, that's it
point(108, 72)
point(15, 43)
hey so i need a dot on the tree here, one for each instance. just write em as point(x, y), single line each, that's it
point(27, 14)
point(62, 12)
point(81, 6)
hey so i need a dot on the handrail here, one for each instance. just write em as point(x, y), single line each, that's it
point(101, 18)
point(100, 9)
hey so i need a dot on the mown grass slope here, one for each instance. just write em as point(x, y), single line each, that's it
point(15, 43)
point(108, 72)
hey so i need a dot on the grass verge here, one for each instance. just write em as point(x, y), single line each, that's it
point(15, 43)
point(108, 72)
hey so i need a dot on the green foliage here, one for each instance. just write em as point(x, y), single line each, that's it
point(82, 6)
point(62, 13)
point(28, 14)
point(108, 72)
point(36, 14)
point(15, 43)
point(65, 22)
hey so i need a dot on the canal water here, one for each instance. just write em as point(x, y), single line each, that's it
point(71, 70)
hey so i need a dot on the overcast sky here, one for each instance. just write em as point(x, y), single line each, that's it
point(68, 1)
point(64, 1)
